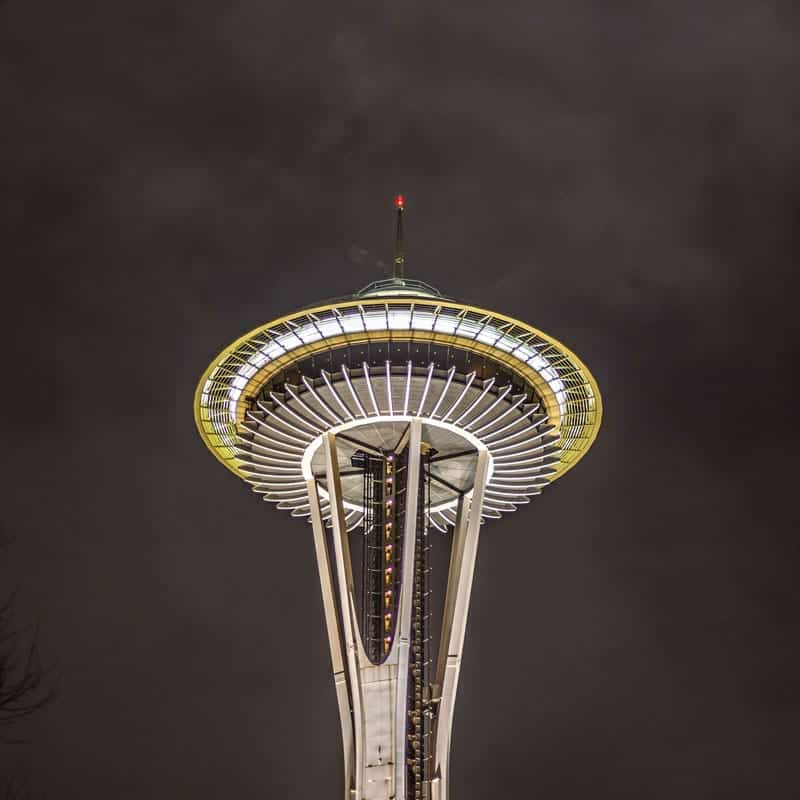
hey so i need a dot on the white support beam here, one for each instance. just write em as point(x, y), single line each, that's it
point(351, 634)
point(459, 589)
point(456, 555)
point(334, 635)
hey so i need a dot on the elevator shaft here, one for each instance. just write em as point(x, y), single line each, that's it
point(384, 486)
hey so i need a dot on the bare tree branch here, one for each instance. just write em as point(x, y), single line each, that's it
point(25, 685)
point(15, 789)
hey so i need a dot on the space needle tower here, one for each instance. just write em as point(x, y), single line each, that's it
point(397, 422)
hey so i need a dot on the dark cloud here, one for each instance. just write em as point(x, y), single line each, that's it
point(622, 175)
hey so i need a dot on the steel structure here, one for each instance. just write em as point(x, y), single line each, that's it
point(396, 421)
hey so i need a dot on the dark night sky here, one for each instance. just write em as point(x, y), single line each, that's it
point(622, 175)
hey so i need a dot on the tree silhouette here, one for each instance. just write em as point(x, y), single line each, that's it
point(15, 789)
point(23, 688)
point(25, 685)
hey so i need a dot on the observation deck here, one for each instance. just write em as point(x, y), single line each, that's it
point(336, 354)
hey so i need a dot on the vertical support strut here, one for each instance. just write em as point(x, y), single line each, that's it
point(373, 696)
point(459, 588)
point(347, 605)
point(334, 634)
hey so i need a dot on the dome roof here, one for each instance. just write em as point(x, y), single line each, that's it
point(398, 287)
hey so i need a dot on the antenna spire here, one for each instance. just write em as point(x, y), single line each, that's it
point(399, 254)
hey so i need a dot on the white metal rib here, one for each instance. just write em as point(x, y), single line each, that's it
point(527, 491)
point(513, 423)
point(273, 487)
point(408, 388)
point(253, 481)
point(389, 387)
point(470, 379)
point(287, 493)
point(532, 471)
point(518, 454)
point(486, 390)
point(255, 474)
point(497, 506)
point(521, 487)
point(490, 513)
point(299, 417)
point(263, 424)
point(501, 396)
point(449, 515)
point(274, 416)
point(533, 423)
point(450, 373)
point(545, 435)
point(499, 493)
point(291, 505)
point(437, 523)
point(425, 390)
point(346, 374)
point(283, 445)
point(521, 399)
point(335, 394)
point(337, 420)
point(542, 461)
point(268, 459)
point(326, 423)
point(371, 391)
point(268, 426)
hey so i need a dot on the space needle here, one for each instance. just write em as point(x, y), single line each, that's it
point(397, 422)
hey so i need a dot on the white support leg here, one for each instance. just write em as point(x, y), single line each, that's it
point(372, 697)
point(334, 635)
point(351, 637)
point(459, 589)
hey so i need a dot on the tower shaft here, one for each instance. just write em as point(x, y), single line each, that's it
point(386, 416)
point(395, 721)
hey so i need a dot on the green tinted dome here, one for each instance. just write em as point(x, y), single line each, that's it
point(398, 287)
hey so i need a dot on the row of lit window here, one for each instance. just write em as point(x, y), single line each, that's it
point(388, 552)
